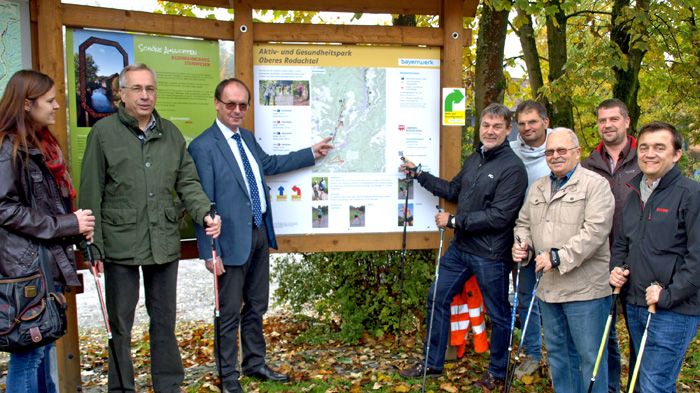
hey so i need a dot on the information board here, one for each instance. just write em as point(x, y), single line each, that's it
point(378, 104)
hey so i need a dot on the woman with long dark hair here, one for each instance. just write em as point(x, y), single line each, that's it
point(36, 207)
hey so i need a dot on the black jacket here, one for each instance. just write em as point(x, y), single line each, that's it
point(489, 191)
point(660, 241)
point(22, 227)
point(625, 171)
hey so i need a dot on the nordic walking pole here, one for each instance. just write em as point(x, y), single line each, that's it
point(604, 339)
point(105, 316)
point(538, 276)
point(640, 353)
point(408, 182)
point(432, 307)
point(509, 373)
point(217, 321)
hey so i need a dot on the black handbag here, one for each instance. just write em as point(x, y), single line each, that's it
point(32, 311)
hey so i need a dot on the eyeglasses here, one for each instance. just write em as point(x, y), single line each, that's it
point(242, 106)
point(136, 89)
point(562, 151)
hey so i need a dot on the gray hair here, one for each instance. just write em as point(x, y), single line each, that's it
point(497, 110)
point(134, 67)
point(564, 130)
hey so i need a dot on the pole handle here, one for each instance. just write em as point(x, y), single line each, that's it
point(88, 250)
point(652, 307)
point(616, 290)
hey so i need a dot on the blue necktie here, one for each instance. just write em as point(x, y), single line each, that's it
point(252, 184)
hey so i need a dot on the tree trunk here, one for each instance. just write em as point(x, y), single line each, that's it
point(489, 82)
point(405, 20)
point(626, 87)
point(562, 114)
point(526, 34)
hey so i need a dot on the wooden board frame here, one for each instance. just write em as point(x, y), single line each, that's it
point(48, 18)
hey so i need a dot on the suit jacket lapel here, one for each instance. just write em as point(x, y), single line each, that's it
point(225, 150)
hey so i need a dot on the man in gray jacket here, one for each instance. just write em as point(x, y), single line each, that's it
point(566, 219)
point(532, 123)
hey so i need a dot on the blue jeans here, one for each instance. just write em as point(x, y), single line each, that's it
point(30, 371)
point(456, 267)
point(572, 333)
point(668, 339)
point(532, 343)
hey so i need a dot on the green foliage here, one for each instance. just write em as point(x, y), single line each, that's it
point(356, 292)
point(172, 8)
point(279, 16)
point(90, 71)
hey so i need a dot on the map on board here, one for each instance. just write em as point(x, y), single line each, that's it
point(351, 104)
point(10, 42)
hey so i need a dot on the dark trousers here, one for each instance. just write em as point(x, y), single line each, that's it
point(122, 295)
point(614, 356)
point(247, 286)
point(456, 267)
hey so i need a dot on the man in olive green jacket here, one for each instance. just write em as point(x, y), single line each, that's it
point(134, 163)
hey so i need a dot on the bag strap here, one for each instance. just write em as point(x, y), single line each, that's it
point(43, 257)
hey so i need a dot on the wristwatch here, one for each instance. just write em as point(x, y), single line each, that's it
point(554, 257)
point(451, 221)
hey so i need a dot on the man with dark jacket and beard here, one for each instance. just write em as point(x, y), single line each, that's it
point(659, 239)
point(615, 159)
point(489, 191)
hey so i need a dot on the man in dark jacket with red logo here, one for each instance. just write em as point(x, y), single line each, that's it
point(615, 159)
point(489, 191)
point(659, 239)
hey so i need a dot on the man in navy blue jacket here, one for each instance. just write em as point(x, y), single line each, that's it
point(232, 168)
point(489, 191)
point(659, 240)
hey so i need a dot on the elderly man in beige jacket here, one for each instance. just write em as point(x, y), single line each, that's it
point(566, 218)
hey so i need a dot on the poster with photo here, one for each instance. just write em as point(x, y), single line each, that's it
point(378, 104)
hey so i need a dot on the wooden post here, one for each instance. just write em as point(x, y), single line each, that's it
point(49, 41)
point(243, 37)
point(454, 40)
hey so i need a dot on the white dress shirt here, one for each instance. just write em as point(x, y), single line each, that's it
point(233, 145)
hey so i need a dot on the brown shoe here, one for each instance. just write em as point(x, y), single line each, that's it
point(416, 371)
point(489, 382)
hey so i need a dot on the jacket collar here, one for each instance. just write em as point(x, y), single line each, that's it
point(132, 123)
point(545, 187)
point(669, 178)
point(489, 155)
point(629, 152)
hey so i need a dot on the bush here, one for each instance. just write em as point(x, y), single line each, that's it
point(357, 292)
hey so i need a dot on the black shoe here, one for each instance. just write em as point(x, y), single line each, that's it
point(489, 382)
point(416, 371)
point(232, 387)
point(265, 373)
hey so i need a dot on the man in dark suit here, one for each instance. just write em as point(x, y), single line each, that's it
point(232, 167)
